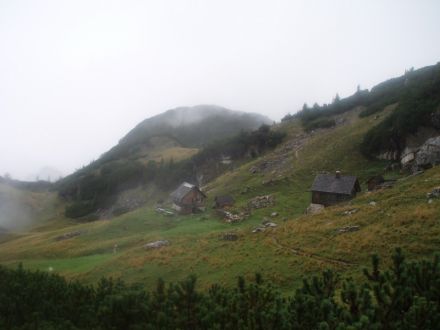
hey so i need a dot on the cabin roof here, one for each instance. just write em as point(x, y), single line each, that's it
point(342, 184)
point(178, 194)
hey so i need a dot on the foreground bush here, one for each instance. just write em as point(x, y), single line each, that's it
point(406, 296)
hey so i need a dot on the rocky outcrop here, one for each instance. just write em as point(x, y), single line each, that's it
point(424, 156)
point(389, 155)
point(420, 150)
point(429, 153)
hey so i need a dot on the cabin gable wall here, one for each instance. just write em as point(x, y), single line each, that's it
point(193, 198)
point(327, 199)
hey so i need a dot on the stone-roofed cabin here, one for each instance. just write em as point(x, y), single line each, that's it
point(187, 198)
point(332, 189)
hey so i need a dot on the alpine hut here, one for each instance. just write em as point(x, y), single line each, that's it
point(332, 189)
point(187, 198)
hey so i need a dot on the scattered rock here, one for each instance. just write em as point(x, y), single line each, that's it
point(372, 203)
point(266, 223)
point(230, 217)
point(229, 237)
point(315, 208)
point(348, 229)
point(259, 230)
point(274, 214)
point(156, 244)
point(435, 193)
point(430, 201)
point(350, 212)
point(68, 235)
point(261, 202)
point(164, 211)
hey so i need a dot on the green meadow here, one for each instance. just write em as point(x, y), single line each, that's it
point(299, 246)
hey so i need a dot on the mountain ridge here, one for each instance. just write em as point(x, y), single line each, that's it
point(150, 152)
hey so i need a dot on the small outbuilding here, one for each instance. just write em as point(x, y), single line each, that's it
point(375, 182)
point(187, 198)
point(331, 189)
point(223, 201)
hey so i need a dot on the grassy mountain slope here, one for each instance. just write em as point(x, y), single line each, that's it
point(187, 127)
point(147, 157)
point(417, 95)
point(299, 246)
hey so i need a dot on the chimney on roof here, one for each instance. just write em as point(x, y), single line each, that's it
point(338, 174)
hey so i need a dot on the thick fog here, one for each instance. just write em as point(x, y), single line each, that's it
point(75, 76)
point(15, 211)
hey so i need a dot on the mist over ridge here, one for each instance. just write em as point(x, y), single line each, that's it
point(209, 122)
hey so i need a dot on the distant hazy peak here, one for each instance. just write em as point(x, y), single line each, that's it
point(208, 116)
point(182, 116)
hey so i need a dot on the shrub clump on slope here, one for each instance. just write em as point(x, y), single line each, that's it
point(416, 109)
point(407, 296)
point(417, 93)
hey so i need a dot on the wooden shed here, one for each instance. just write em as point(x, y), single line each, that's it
point(332, 189)
point(223, 201)
point(187, 198)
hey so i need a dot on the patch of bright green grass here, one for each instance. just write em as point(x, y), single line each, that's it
point(66, 266)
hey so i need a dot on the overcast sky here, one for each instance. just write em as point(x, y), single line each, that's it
point(75, 75)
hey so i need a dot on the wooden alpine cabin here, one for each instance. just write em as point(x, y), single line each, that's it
point(187, 198)
point(331, 189)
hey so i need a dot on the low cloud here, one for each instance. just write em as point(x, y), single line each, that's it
point(15, 212)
